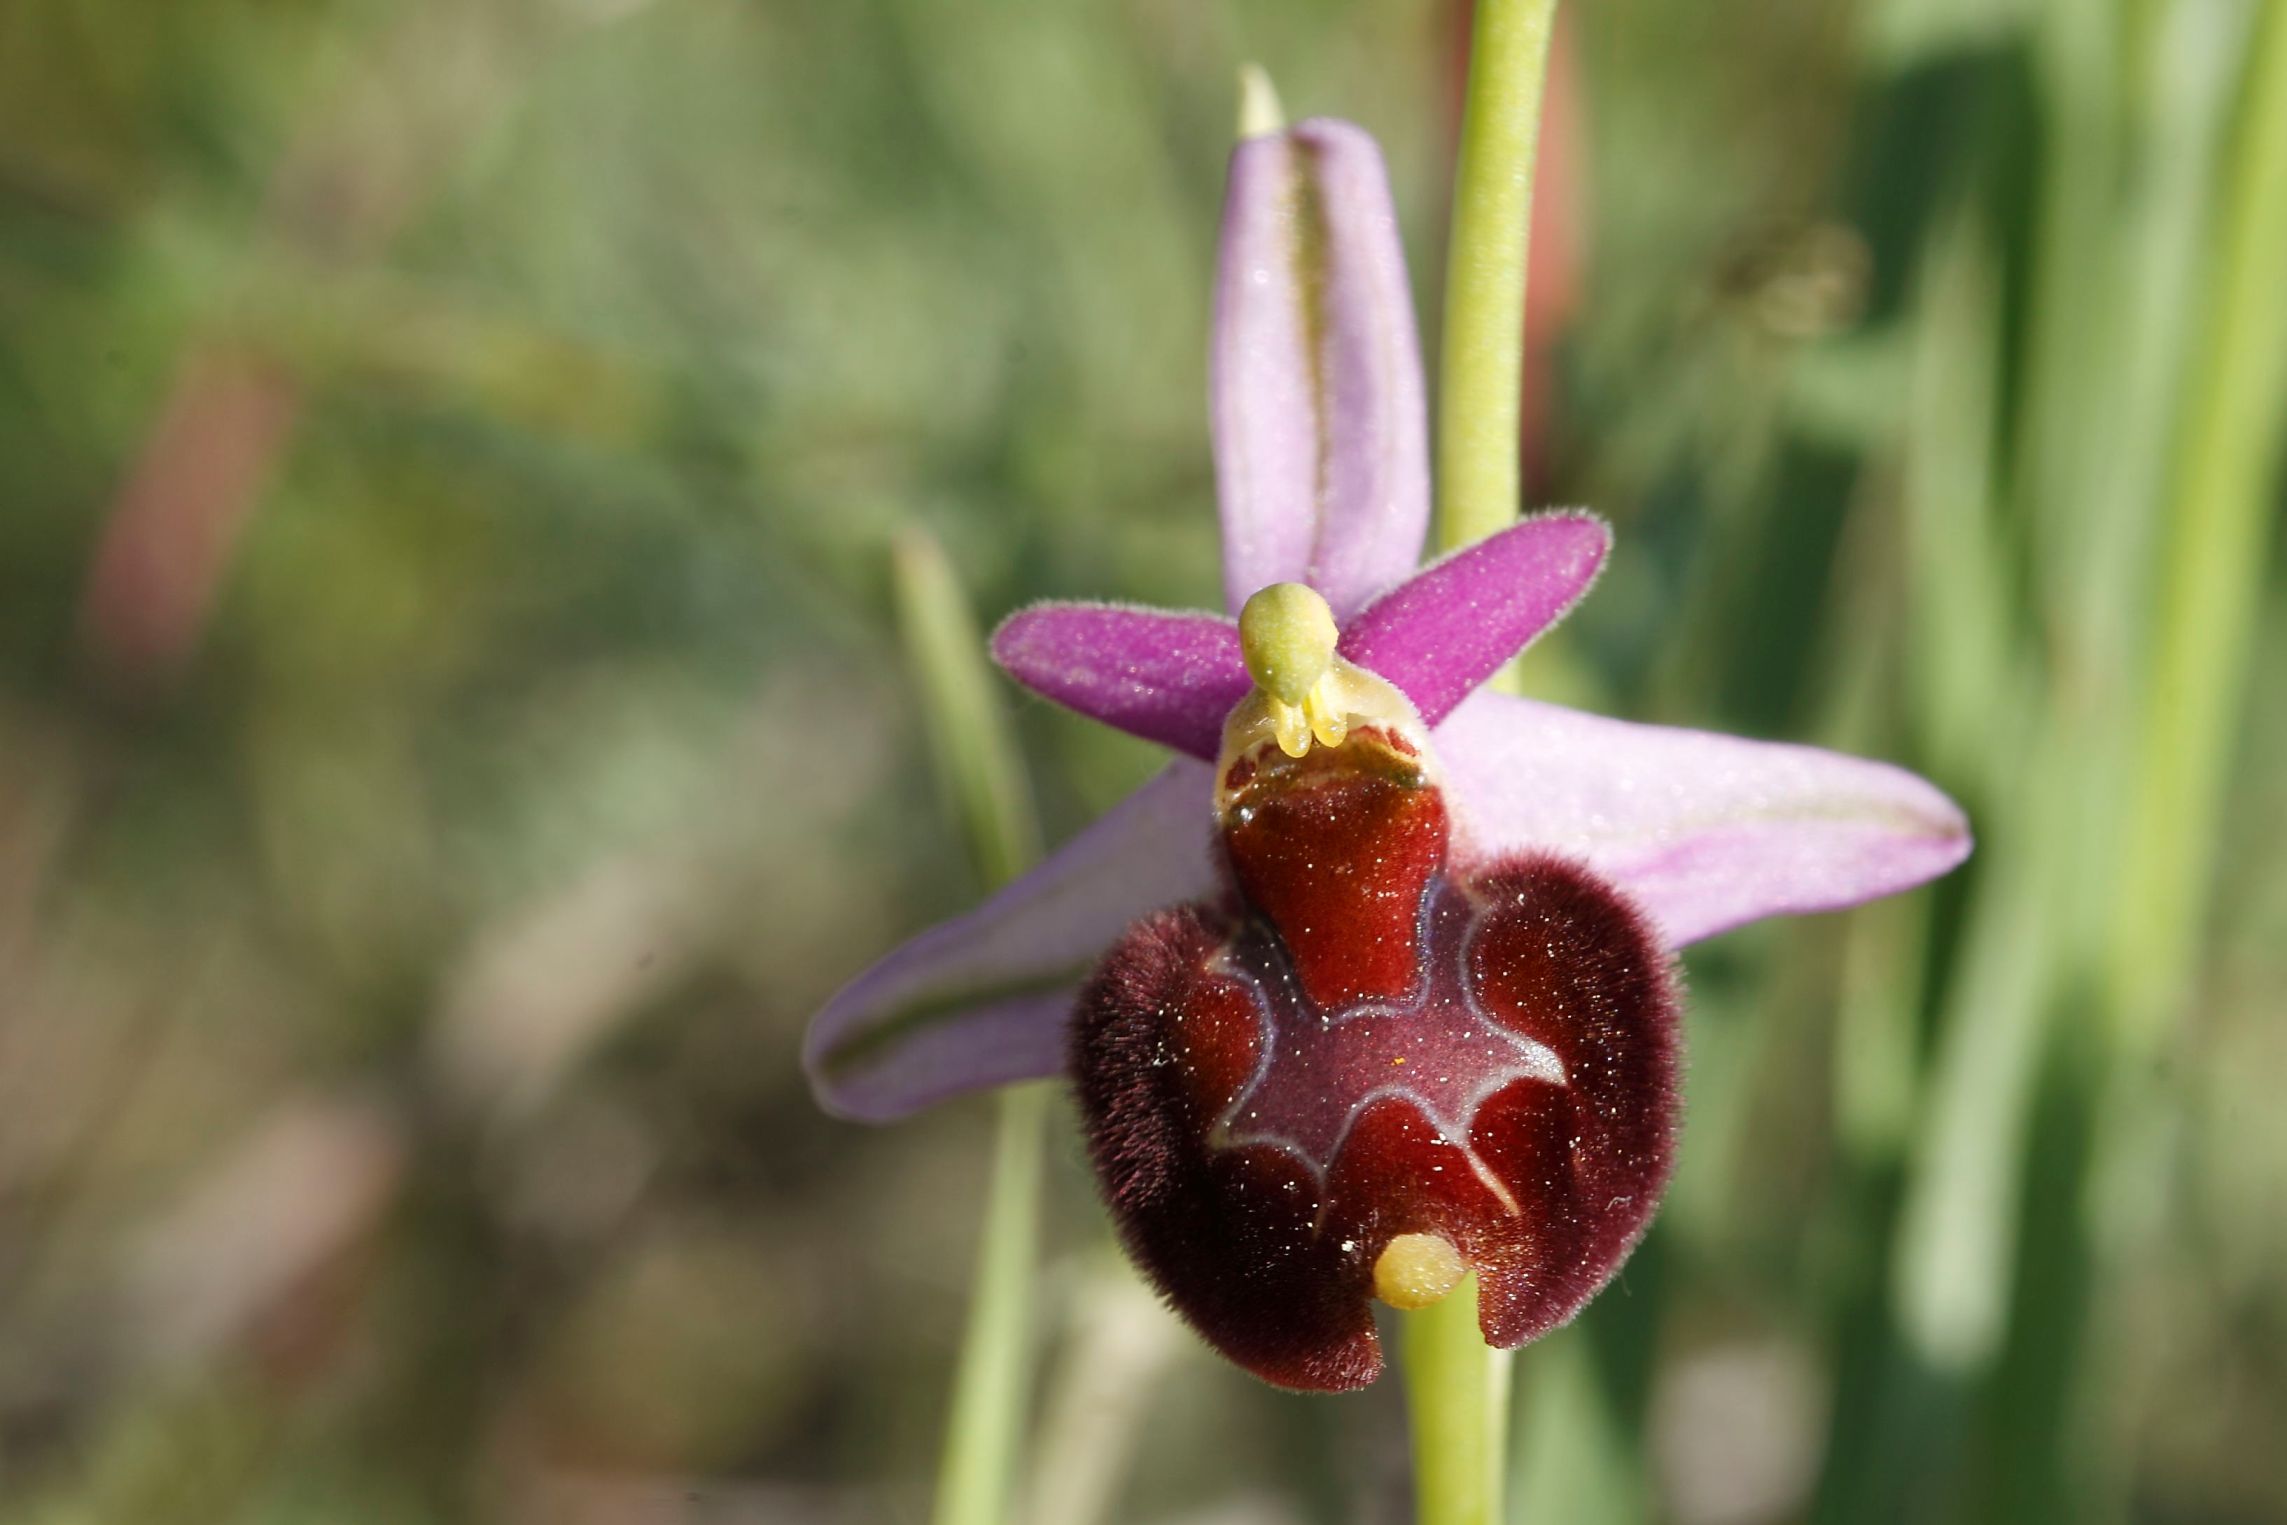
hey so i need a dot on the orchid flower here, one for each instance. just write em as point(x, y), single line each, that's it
point(1371, 987)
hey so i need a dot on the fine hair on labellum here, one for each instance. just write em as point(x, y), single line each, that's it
point(1486, 1055)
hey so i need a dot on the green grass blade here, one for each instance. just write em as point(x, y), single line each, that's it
point(977, 763)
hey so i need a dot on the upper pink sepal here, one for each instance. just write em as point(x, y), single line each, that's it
point(1321, 429)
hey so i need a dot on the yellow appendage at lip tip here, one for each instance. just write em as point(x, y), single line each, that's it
point(1287, 635)
point(1416, 1270)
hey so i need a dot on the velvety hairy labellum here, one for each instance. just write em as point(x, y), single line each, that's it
point(1366, 1040)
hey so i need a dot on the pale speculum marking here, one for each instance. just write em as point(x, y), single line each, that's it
point(1436, 1049)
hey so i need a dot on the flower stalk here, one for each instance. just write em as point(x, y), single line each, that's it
point(976, 764)
point(1481, 358)
point(1459, 1386)
point(1457, 1394)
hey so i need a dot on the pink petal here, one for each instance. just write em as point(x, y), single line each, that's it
point(1321, 433)
point(1172, 677)
point(1706, 831)
point(1447, 629)
point(983, 999)
point(1167, 676)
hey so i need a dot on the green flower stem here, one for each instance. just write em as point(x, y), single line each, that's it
point(1457, 1390)
point(1481, 358)
point(994, 1379)
point(976, 761)
point(1457, 1385)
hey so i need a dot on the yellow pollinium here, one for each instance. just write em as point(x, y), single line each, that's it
point(1287, 635)
point(1416, 1270)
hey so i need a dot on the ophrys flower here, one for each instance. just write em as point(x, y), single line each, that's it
point(1380, 987)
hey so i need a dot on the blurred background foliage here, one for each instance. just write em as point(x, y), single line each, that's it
point(453, 730)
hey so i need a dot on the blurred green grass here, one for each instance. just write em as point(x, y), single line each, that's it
point(453, 730)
